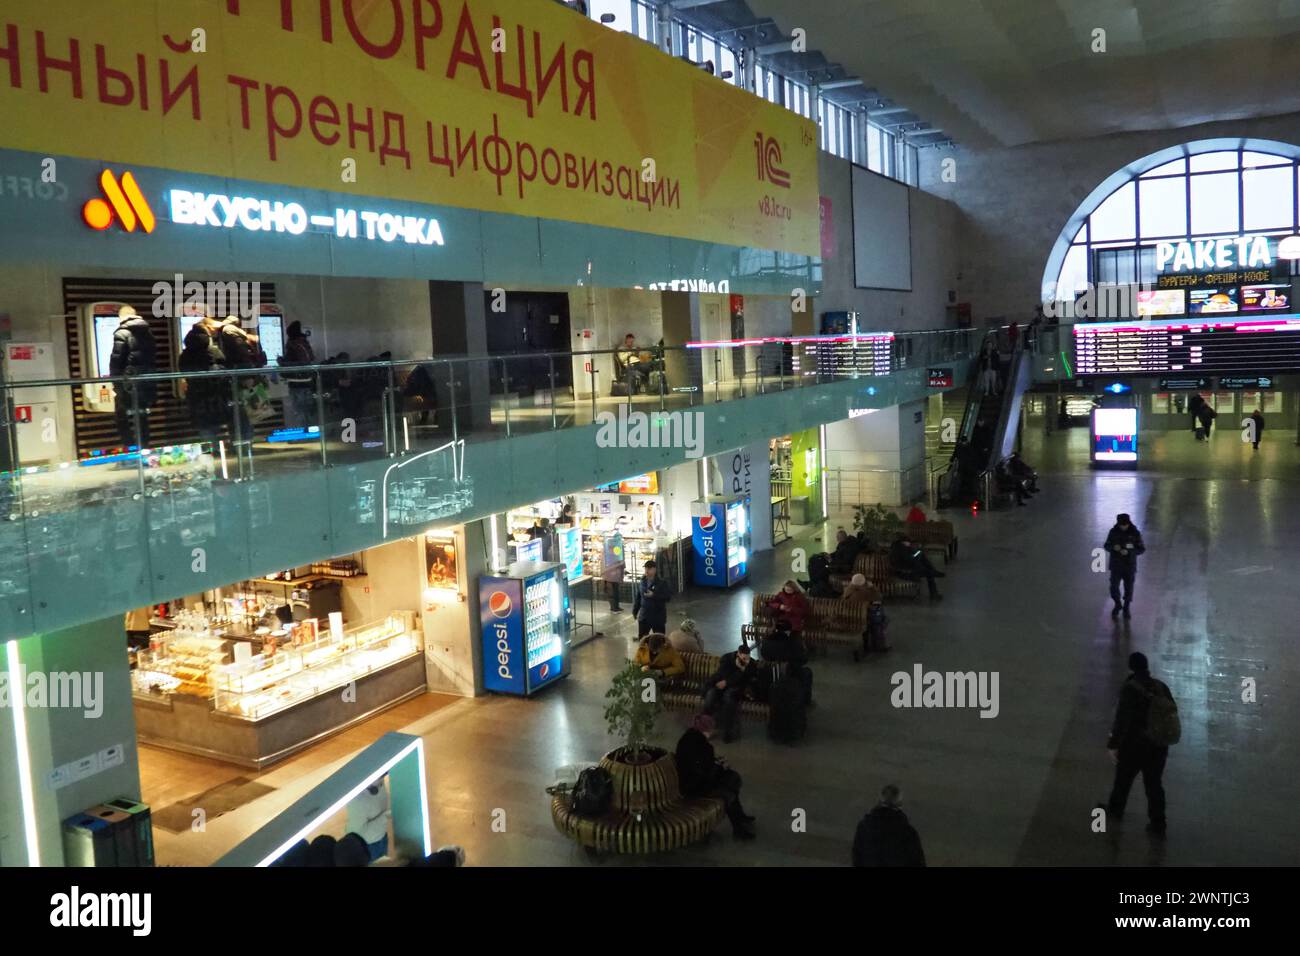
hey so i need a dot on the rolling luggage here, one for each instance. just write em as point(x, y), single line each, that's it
point(788, 721)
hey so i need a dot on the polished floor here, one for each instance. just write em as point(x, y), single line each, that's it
point(1215, 611)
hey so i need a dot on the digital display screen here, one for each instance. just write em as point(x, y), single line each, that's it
point(1114, 434)
point(1162, 302)
point(1265, 298)
point(1211, 301)
point(1161, 346)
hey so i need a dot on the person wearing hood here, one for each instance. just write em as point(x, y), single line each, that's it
point(204, 397)
point(134, 352)
point(858, 591)
point(885, 837)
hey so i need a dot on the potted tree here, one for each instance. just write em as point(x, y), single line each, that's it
point(880, 523)
point(631, 711)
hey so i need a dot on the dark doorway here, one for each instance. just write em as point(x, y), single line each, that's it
point(528, 324)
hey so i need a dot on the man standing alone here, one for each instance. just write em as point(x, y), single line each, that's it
point(1123, 544)
point(1146, 724)
point(650, 602)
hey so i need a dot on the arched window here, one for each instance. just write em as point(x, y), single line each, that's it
point(1208, 189)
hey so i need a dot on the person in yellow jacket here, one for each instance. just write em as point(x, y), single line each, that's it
point(656, 656)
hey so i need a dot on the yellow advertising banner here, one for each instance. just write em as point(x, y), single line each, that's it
point(523, 107)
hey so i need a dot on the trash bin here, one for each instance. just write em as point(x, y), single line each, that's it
point(799, 509)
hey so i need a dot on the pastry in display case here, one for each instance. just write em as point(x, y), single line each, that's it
point(178, 663)
point(262, 686)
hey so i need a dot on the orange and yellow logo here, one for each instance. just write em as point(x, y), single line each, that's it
point(124, 202)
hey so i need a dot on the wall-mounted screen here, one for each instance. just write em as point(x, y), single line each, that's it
point(882, 232)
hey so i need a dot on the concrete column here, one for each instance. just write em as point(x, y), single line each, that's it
point(453, 652)
point(459, 316)
point(682, 324)
point(84, 717)
point(881, 454)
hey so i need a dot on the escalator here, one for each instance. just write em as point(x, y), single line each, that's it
point(989, 429)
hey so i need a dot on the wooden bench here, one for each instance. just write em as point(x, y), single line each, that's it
point(880, 572)
point(686, 692)
point(648, 814)
point(753, 634)
point(828, 614)
point(939, 536)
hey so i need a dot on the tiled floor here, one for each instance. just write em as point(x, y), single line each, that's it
point(1216, 605)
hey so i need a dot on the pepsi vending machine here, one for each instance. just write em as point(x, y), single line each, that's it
point(524, 615)
point(720, 530)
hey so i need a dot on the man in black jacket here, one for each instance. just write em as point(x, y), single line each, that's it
point(885, 837)
point(1129, 747)
point(726, 689)
point(650, 602)
point(1123, 544)
point(133, 354)
point(846, 552)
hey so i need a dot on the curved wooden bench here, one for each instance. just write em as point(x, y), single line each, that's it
point(648, 813)
point(938, 536)
point(754, 632)
point(828, 614)
point(880, 572)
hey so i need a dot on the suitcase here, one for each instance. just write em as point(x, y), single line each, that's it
point(1200, 433)
point(788, 720)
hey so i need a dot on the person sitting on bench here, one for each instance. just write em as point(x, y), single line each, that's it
point(856, 590)
point(1017, 467)
point(790, 607)
point(726, 689)
point(845, 553)
point(1008, 482)
point(785, 647)
point(910, 562)
point(658, 658)
point(635, 372)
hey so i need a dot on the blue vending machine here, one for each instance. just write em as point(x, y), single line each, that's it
point(524, 616)
point(720, 535)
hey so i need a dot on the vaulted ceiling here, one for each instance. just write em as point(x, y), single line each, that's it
point(1009, 72)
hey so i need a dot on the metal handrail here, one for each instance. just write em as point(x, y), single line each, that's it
point(328, 367)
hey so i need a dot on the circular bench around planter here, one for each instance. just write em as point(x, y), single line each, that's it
point(648, 813)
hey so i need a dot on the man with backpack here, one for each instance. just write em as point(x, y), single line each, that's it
point(1146, 725)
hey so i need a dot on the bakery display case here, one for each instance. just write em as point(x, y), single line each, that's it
point(265, 685)
point(207, 694)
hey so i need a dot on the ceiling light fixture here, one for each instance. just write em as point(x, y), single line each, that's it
point(1289, 248)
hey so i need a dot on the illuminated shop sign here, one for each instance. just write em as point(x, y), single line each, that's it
point(1241, 252)
point(268, 215)
point(690, 285)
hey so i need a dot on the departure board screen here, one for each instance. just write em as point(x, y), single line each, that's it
point(1161, 346)
point(844, 355)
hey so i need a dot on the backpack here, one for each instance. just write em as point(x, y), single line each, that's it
point(788, 721)
point(1163, 728)
point(593, 793)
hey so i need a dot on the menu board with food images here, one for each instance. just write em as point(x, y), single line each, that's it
point(1265, 298)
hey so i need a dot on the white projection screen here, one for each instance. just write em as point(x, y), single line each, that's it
point(882, 232)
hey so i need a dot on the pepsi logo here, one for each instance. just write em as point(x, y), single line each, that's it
point(546, 669)
point(499, 604)
point(708, 523)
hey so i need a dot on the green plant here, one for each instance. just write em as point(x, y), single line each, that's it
point(877, 521)
point(632, 708)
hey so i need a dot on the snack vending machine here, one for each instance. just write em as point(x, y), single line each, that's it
point(524, 616)
point(720, 535)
